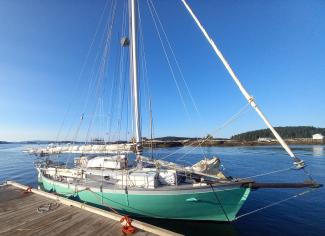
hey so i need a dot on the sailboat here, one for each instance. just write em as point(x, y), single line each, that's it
point(155, 188)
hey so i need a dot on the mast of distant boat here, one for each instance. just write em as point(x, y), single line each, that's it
point(250, 99)
point(134, 76)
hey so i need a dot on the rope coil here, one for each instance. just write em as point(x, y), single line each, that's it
point(48, 207)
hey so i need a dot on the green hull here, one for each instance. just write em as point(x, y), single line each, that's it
point(220, 204)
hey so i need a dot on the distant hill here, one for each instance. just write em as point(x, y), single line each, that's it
point(285, 132)
point(174, 138)
point(4, 142)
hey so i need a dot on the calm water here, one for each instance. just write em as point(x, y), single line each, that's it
point(303, 215)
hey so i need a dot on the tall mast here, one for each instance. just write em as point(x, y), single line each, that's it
point(134, 74)
point(299, 163)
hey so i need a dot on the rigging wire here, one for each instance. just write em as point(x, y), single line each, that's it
point(145, 76)
point(93, 74)
point(168, 60)
point(117, 90)
point(77, 84)
point(176, 60)
point(122, 75)
point(268, 173)
point(178, 66)
point(242, 111)
point(104, 60)
point(121, 93)
point(219, 203)
point(276, 203)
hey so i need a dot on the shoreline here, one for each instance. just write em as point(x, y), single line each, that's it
point(224, 143)
point(203, 143)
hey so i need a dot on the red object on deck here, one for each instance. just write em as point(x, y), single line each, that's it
point(27, 190)
point(127, 228)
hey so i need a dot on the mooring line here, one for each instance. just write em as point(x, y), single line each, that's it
point(275, 203)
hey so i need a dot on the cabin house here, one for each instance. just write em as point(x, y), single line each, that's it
point(318, 137)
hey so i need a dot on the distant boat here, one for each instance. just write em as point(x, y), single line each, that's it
point(147, 187)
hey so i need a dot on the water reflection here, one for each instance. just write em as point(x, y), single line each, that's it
point(196, 227)
point(318, 151)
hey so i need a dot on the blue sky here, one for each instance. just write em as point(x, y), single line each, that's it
point(276, 48)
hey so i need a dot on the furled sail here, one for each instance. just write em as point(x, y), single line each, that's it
point(89, 149)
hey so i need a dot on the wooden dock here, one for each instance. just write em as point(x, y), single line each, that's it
point(29, 213)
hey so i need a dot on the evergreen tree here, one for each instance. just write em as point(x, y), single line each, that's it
point(285, 132)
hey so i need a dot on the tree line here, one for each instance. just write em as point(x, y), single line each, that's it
point(285, 132)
